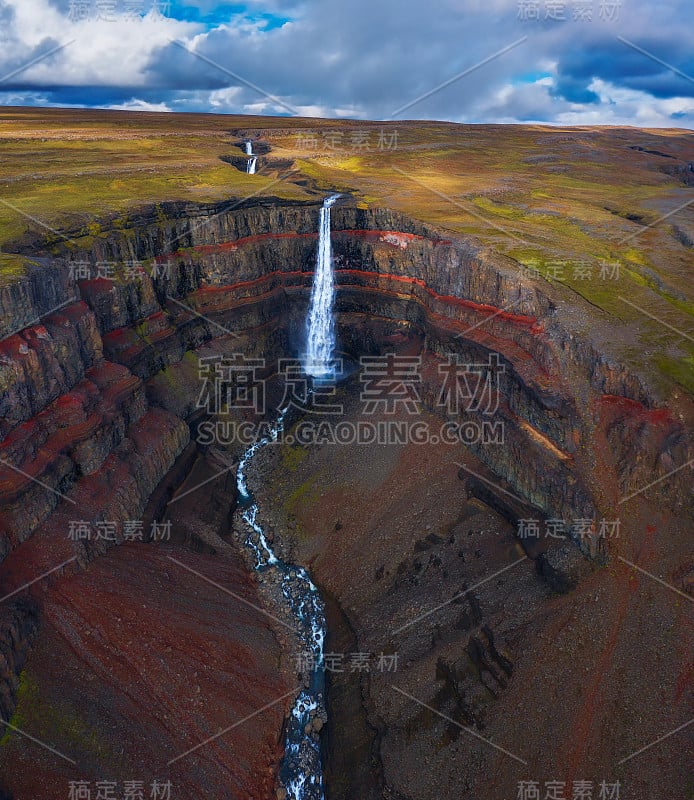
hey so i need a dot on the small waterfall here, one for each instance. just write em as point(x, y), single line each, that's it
point(320, 329)
point(253, 161)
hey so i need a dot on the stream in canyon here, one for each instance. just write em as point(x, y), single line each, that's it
point(301, 771)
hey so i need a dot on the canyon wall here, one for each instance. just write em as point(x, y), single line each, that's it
point(99, 370)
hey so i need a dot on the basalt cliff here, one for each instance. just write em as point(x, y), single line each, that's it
point(121, 654)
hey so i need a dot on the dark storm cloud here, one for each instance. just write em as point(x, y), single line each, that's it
point(102, 95)
point(369, 58)
point(575, 90)
point(373, 57)
point(616, 61)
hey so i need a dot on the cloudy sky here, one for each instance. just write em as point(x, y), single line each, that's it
point(553, 61)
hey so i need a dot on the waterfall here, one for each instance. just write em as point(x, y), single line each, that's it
point(301, 773)
point(320, 329)
point(253, 161)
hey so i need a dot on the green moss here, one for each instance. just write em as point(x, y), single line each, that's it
point(58, 722)
point(303, 498)
point(292, 456)
point(680, 369)
point(499, 209)
point(27, 697)
point(12, 267)
point(191, 357)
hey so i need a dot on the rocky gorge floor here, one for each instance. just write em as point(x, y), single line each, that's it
point(494, 679)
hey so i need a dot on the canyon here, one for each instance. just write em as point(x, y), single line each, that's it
point(134, 648)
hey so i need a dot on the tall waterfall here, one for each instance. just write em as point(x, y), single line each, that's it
point(320, 328)
point(253, 161)
point(301, 771)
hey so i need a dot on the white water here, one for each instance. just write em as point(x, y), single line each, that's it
point(320, 330)
point(301, 770)
point(252, 162)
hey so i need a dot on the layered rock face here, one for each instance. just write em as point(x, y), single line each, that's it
point(242, 269)
point(100, 372)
